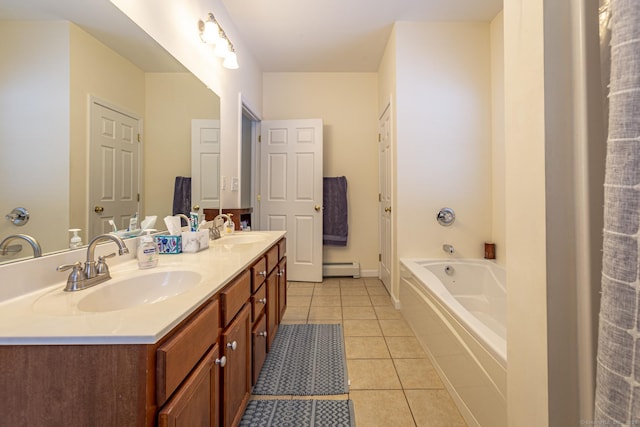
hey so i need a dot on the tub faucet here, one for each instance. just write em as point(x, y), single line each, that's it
point(448, 248)
point(91, 274)
point(37, 250)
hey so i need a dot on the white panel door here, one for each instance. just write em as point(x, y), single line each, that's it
point(114, 164)
point(291, 192)
point(205, 163)
point(384, 146)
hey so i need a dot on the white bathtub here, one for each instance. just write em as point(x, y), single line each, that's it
point(460, 320)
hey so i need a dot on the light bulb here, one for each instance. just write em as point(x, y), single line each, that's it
point(231, 60)
point(222, 48)
point(211, 32)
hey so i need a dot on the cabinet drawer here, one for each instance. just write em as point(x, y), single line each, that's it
point(258, 273)
point(234, 296)
point(282, 248)
point(180, 353)
point(272, 258)
point(258, 302)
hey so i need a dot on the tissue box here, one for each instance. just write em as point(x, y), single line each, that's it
point(169, 244)
point(195, 241)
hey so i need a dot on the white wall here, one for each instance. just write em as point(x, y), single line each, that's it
point(174, 25)
point(34, 131)
point(347, 104)
point(443, 110)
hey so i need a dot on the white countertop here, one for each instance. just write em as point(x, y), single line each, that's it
point(51, 316)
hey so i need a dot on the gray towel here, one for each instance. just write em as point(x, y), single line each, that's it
point(182, 196)
point(335, 216)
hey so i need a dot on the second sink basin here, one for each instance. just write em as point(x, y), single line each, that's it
point(138, 290)
point(242, 238)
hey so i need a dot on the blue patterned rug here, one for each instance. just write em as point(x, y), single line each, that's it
point(298, 413)
point(304, 360)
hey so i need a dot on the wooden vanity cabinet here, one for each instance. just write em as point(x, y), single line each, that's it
point(236, 381)
point(197, 403)
point(282, 287)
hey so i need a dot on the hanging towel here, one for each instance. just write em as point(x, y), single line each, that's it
point(335, 217)
point(182, 196)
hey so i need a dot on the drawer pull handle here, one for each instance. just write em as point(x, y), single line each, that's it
point(262, 301)
point(282, 271)
point(222, 361)
point(263, 334)
point(262, 273)
point(232, 345)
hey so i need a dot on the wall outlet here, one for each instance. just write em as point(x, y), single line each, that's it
point(235, 182)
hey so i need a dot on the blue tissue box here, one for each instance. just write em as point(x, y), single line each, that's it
point(169, 244)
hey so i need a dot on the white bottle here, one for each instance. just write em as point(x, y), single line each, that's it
point(75, 241)
point(147, 251)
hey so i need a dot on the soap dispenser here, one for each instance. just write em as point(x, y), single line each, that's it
point(147, 251)
point(76, 241)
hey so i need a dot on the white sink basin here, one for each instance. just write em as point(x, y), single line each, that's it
point(238, 239)
point(138, 290)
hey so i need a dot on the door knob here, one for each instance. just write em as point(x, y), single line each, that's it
point(98, 209)
point(318, 208)
point(196, 208)
point(387, 209)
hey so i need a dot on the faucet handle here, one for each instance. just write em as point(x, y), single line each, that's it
point(101, 266)
point(76, 276)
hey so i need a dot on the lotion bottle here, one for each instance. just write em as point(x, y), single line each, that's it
point(147, 251)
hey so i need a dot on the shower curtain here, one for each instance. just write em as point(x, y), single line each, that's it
point(617, 400)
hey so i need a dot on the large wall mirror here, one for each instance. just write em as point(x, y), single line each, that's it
point(60, 61)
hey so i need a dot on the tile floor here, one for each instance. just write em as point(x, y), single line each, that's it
point(392, 380)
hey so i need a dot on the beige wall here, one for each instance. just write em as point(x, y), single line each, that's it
point(97, 71)
point(498, 207)
point(34, 131)
point(348, 105)
point(172, 100)
point(443, 138)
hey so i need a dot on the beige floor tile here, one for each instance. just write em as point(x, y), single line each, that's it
point(381, 300)
point(417, 374)
point(300, 285)
point(377, 290)
point(346, 281)
point(296, 313)
point(395, 328)
point(293, 321)
point(326, 291)
point(372, 374)
point(328, 313)
point(387, 312)
point(352, 291)
point(372, 281)
point(381, 408)
point(361, 328)
point(330, 281)
point(366, 348)
point(295, 291)
point(433, 408)
point(298, 301)
point(325, 301)
point(356, 301)
point(358, 313)
point(405, 348)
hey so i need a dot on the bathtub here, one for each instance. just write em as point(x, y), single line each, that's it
point(457, 310)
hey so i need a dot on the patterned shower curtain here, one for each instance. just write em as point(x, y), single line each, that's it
point(617, 400)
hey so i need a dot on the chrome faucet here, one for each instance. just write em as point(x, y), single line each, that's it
point(448, 248)
point(37, 250)
point(218, 225)
point(92, 273)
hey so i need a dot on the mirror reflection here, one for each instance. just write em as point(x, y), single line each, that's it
point(72, 105)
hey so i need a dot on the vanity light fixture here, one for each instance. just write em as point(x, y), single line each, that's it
point(212, 33)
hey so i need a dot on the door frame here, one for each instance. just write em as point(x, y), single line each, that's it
point(388, 109)
point(248, 112)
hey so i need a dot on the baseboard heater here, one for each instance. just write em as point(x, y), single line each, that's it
point(341, 269)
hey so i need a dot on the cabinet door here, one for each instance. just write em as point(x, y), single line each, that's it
point(236, 384)
point(259, 347)
point(282, 288)
point(196, 403)
point(272, 306)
